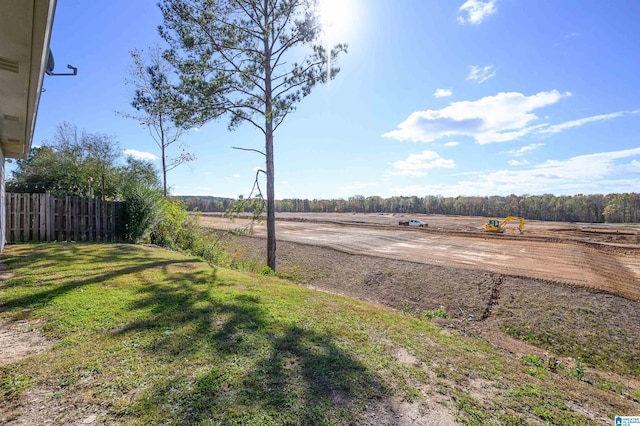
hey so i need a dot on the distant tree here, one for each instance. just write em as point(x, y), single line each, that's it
point(155, 102)
point(247, 59)
point(140, 171)
point(76, 163)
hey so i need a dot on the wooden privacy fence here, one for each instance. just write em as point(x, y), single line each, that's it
point(44, 217)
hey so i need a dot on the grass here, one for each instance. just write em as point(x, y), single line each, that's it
point(148, 336)
point(12, 386)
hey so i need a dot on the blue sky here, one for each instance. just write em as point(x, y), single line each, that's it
point(433, 98)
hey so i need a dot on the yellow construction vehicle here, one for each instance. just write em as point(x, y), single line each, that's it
point(497, 226)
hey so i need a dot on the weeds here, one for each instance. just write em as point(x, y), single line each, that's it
point(297, 274)
point(12, 386)
point(578, 370)
point(474, 413)
point(533, 360)
point(434, 313)
point(267, 272)
point(552, 364)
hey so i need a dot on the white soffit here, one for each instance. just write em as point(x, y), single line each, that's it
point(25, 32)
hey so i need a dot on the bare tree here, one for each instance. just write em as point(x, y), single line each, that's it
point(155, 102)
point(252, 60)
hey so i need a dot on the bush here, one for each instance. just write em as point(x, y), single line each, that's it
point(266, 271)
point(178, 230)
point(170, 230)
point(143, 209)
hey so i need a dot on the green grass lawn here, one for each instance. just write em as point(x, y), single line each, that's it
point(146, 336)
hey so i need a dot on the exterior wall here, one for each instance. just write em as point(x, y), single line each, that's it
point(3, 207)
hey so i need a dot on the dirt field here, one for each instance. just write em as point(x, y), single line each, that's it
point(599, 256)
point(572, 290)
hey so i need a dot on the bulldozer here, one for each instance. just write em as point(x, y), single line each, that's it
point(495, 225)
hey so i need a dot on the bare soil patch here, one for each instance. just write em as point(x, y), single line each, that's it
point(600, 256)
point(20, 339)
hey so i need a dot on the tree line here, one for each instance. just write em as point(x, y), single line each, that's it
point(615, 208)
point(77, 162)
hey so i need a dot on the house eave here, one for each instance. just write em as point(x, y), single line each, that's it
point(25, 34)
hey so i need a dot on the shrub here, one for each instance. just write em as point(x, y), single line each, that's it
point(143, 208)
point(170, 231)
point(267, 271)
point(178, 230)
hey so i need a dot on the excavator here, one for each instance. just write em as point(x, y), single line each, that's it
point(497, 226)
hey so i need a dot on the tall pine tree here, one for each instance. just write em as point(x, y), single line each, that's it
point(252, 60)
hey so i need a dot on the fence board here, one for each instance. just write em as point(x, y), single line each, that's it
point(42, 213)
point(91, 236)
point(44, 217)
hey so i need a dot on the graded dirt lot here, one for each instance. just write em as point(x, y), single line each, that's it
point(598, 256)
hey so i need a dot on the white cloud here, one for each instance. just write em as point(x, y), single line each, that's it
point(634, 166)
point(481, 74)
point(452, 143)
point(524, 149)
point(356, 186)
point(582, 121)
point(475, 11)
point(466, 174)
point(416, 164)
point(590, 166)
point(140, 155)
point(518, 162)
point(571, 35)
point(232, 177)
point(442, 93)
point(499, 118)
point(590, 173)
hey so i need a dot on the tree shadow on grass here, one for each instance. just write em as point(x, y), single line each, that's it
point(129, 260)
point(217, 355)
point(308, 379)
point(251, 368)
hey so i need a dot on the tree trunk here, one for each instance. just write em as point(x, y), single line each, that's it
point(271, 215)
point(164, 173)
point(268, 104)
